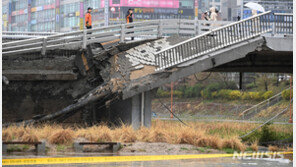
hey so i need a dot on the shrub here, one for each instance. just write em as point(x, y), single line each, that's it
point(197, 88)
point(286, 94)
point(231, 85)
point(235, 94)
point(246, 96)
point(188, 92)
point(255, 96)
point(267, 94)
point(224, 94)
point(178, 93)
point(251, 86)
point(207, 92)
point(193, 91)
point(162, 93)
point(215, 94)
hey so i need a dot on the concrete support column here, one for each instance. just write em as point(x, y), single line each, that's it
point(240, 81)
point(129, 111)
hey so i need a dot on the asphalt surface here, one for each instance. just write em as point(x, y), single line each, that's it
point(211, 162)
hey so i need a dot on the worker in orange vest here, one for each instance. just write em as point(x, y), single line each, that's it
point(129, 19)
point(88, 18)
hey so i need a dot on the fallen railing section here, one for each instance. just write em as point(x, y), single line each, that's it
point(213, 40)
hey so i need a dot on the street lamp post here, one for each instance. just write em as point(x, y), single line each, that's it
point(106, 13)
point(242, 9)
point(81, 23)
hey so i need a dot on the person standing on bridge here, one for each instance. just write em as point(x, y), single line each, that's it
point(129, 19)
point(88, 21)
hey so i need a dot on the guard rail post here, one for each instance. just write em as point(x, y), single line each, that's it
point(84, 39)
point(273, 28)
point(122, 37)
point(198, 27)
point(159, 34)
point(43, 51)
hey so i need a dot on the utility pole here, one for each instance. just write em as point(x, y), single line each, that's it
point(29, 15)
point(106, 14)
point(242, 9)
point(81, 23)
point(57, 16)
point(291, 87)
point(172, 92)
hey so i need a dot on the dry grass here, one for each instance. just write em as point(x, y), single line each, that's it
point(273, 148)
point(64, 136)
point(30, 136)
point(233, 143)
point(200, 134)
point(254, 146)
point(7, 135)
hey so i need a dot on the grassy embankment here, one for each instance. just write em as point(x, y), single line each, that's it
point(222, 136)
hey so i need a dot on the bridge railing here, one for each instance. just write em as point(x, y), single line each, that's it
point(283, 23)
point(213, 40)
point(20, 33)
point(230, 33)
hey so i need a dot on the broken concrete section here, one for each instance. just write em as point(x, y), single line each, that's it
point(115, 81)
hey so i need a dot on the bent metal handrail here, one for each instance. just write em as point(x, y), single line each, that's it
point(148, 29)
point(213, 40)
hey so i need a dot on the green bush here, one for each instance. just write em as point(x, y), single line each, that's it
point(207, 92)
point(251, 85)
point(286, 94)
point(215, 94)
point(246, 96)
point(230, 85)
point(234, 95)
point(188, 92)
point(267, 94)
point(197, 88)
point(255, 96)
point(193, 91)
point(162, 93)
point(178, 94)
point(224, 93)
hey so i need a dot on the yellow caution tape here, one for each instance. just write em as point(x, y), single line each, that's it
point(73, 160)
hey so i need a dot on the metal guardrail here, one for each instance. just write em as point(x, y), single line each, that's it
point(209, 41)
point(248, 113)
point(22, 35)
point(283, 23)
point(28, 33)
point(43, 42)
point(212, 40)
point(220, 37)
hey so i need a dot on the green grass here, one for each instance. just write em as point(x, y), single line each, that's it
point(13, 148)
point(61, 147)
point(228, 150)
point(184, 148)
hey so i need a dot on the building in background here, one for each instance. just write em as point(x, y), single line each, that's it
point(276, 6)
point(67, 15)
point(46, 15)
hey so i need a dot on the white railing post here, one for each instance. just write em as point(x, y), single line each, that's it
point(198, 27)
point(84, 39)
point(43, 50)
point(273, 28)
point(195, 29)
point(160, 27)
point(122, 33)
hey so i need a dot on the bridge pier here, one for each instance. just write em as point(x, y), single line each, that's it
point(135, 111)
point(241, 74)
